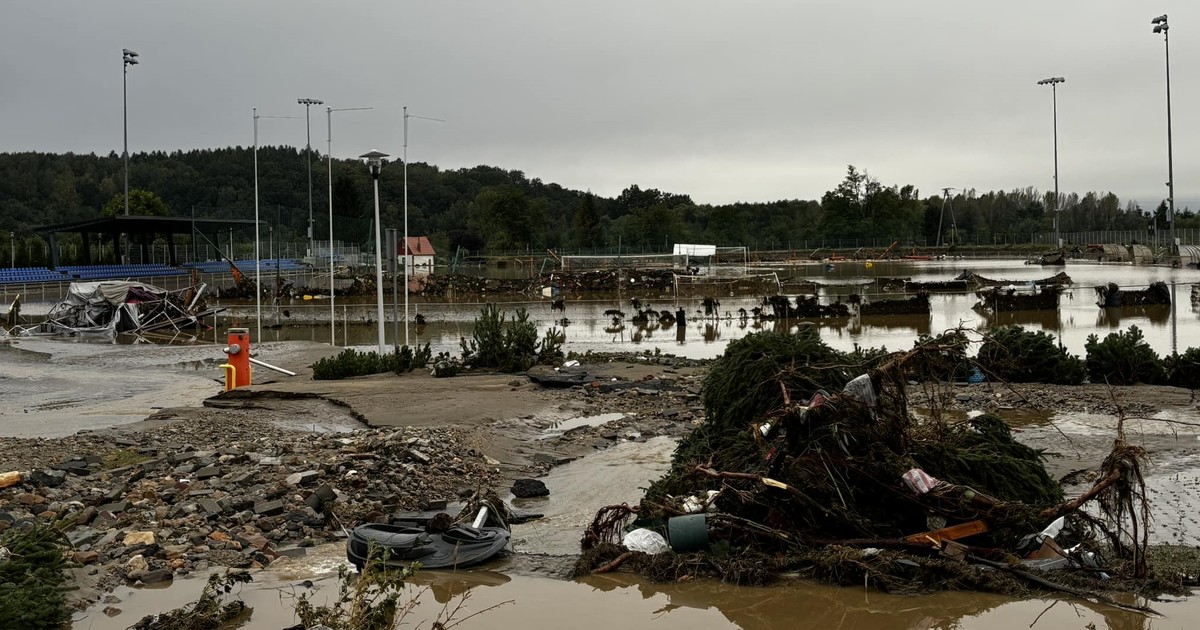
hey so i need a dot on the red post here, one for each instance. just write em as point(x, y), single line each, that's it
point(237, 349)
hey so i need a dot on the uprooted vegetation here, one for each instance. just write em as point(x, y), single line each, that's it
point(32, 578)
point(852, 488)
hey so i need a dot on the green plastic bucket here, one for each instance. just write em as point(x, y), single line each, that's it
point(688, 533)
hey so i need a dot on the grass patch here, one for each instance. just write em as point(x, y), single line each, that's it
point(121, 458)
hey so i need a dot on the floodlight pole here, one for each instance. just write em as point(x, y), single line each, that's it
point(407, 257)
point(128, 58)
point(257, 240)
point(257, 256)
point(329, 158)
point(1161, 26)
point(1053, 83)
point(308, 102)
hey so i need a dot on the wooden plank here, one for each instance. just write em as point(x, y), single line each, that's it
point(954, 532)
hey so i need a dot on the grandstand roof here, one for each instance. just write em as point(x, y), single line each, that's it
point(138, 226)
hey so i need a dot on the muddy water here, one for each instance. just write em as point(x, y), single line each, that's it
point(610, 477)
point(619, 601)
point(53, 388)
point(539, 597)
point(587, 328)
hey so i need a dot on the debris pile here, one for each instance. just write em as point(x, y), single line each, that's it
point(148, 505)
point(852, 488)
point(915, 305)
point(1006, 299)
point(112, 306)
point(1111, 295)
point(806, 306)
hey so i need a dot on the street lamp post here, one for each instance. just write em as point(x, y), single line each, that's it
point(1053, 83)
point(307, 103)
point(257, 241)
point(329, 156)
point(128, 58)
point(1160, 26)
point(407, 255)
point(375, 162)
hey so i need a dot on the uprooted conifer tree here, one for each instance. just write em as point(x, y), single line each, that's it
point(808, 464)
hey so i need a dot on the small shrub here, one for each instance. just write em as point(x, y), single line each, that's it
point(351, 362)
point(1123, 358)
point(509, 345)
point(1183, 370)
point(1017, 355)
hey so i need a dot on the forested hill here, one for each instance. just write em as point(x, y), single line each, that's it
point(489, 208)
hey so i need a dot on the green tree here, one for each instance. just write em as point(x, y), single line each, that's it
point(585, 224)
point(142, 203)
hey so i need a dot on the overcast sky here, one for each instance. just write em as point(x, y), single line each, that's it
point(725, 101)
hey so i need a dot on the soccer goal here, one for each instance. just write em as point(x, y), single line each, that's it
point(688, 260)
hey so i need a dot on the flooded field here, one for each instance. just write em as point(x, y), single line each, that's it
point(55, 388)
point(1166, 328)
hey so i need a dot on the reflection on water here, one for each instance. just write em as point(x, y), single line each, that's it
point(1049, 321)
point(1120, 316)
point(588, 328)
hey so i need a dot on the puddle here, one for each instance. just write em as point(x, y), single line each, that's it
point(564, 426)
point(624, 601)
point(609, 477)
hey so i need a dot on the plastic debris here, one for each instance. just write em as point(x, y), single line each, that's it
point(645, 541)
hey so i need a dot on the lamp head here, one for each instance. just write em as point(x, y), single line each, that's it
point(310, 101)
point(374, 159)
point(1162, 19)
point(1161, 28)
point(128, 53)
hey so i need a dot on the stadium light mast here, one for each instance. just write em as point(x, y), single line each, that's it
point(1161, 26)
point(307, 103)
point(408, 257)
point(1053, 83)
point(329, 158)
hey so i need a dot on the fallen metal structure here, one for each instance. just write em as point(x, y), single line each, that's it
point(974, 280)
point(1055, 258)
point(108, 308)
point(1111, 295)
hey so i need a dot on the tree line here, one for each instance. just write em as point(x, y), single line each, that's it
point(490, 209)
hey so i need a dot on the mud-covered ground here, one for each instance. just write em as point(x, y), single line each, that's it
point(230, 481)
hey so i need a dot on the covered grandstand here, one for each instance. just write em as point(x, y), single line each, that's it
point(141, 232)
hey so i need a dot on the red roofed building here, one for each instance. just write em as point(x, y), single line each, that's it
point(419, 252)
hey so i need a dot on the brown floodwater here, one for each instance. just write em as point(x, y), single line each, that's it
point(533, 591)
point(1166, 328)
point(622, 601)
